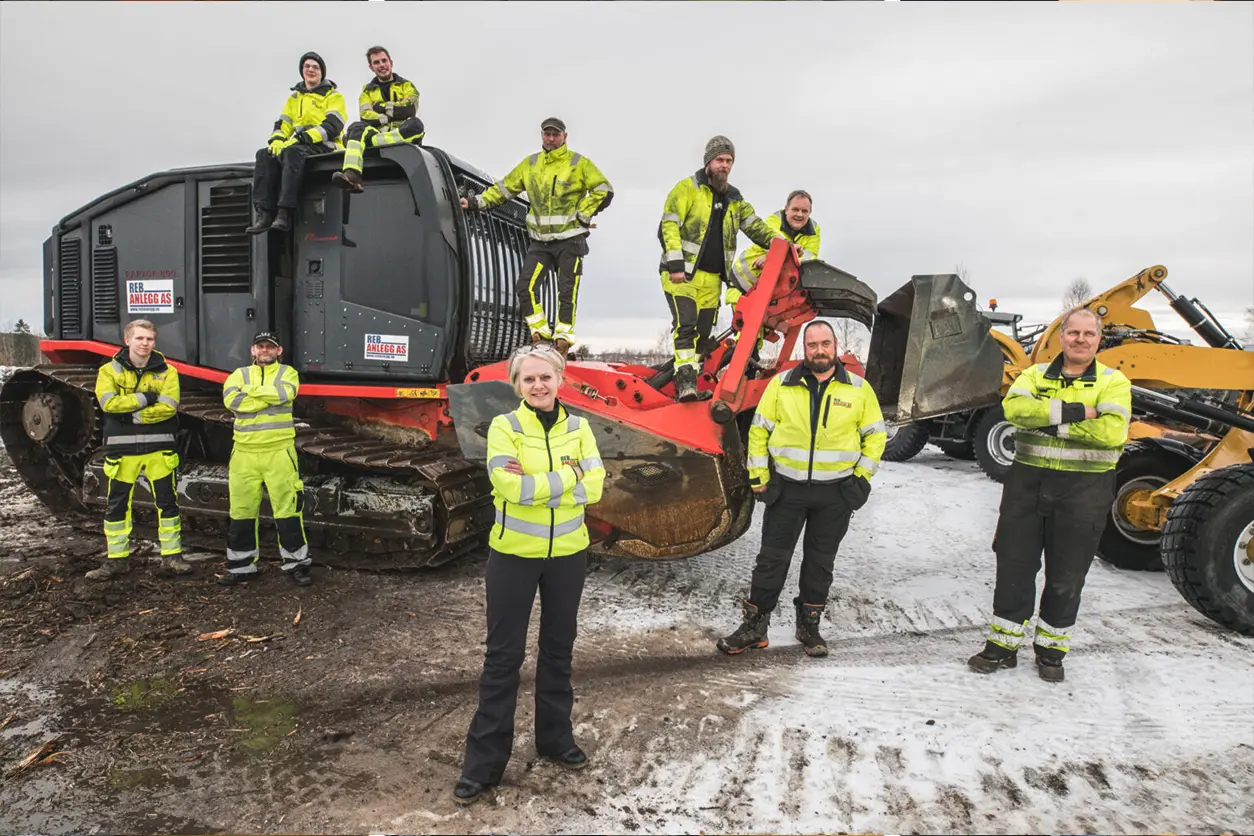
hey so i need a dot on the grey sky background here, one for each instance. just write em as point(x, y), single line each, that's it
point(1030, 142)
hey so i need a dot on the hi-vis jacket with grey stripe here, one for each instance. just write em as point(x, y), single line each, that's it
point(540, 513)
point(686, 217)
point(139, 404)
point(565, 191)
point(1048, 413)
point(261, 398)
point(844, 437)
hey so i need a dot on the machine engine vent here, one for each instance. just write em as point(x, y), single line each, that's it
point(224, 245)
point(70, 287)
point(104, 284)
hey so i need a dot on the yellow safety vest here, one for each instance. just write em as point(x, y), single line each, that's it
point(139, 404)
point(565, 191)
point(261, 398)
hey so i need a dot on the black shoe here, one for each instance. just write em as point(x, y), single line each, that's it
point(302, 576)
point(572, 758)
point(283, 222)
point(467, 791)
point(231, 579)
point(349, 180)
point(992, 659)
point(265, 217)
point(808, 617)
point(751, 632)
point(1049, 670)
point(686, 384)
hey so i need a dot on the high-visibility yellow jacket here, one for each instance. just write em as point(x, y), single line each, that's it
point(686, 217)
point(745, 275)
point(261, 398)
point(844, 437)
point(540, 513)
point(402, 94)
point(139, 404)
point(565, 190)
point(1048, 413)
point(320, 113)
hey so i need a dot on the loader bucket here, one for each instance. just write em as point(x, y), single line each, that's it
point(932, 352)
point(662, 500)
point(834, 293)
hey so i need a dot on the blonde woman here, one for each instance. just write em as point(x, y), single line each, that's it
point(545, 468)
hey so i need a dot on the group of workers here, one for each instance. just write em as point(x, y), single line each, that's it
point(815, 442)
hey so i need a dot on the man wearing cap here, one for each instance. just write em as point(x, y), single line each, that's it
point(312, 120)
point(697, 232)
point(388, 105)
point(264, 454)
point(566, 191)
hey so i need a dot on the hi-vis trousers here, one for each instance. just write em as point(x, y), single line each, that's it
point(276, 471)
point(122, 472)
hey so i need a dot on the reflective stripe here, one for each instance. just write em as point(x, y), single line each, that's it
point(285, 118)
point(760, 420)
point(527, 492)
point(855, 381)
point(674, 255)
point(1042, 367)
point(870, 429)
point(1055, 411)
point(514, 422)
point(556, 489)
point(500, 461)
point(580, 494)
point(500, 185)
point(758, 461)
point(168, 401)
point(806, 255)
point(1067, 453)
point(106, 397)
point(1107, 370)
point(572, 422)
point(1047, 636)
point(1027, 393)
point(824, 456)
point(246, 374)
point(1064, 431)
point(537, 529)
point(136, 418)
point(291, 560)
point(606, 187)
point(690, 247)
point(238, 400)
point(591, 463)
point(670, 216)
point(269, 425)
point(868, 464)
point(136, 439)
point(142, 397)
point(1005, 633)
point(815, 476)
point(116, 366)
point(1115, 408)
point(549, 220)
point(748, 222)
point(368, 107)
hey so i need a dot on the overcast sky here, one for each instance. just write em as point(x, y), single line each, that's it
point(1030, 142)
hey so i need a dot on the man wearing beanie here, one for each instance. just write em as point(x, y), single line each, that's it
point(388, 105)
point(698, 230)
point(566, 191)
point(311, 122)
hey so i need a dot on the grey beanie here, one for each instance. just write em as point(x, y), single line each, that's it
point(718, 145)
point(322, 65)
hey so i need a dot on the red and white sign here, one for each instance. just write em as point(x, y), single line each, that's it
point(150, 296)
point(387, 347)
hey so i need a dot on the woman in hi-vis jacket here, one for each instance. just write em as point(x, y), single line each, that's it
point(545, 468)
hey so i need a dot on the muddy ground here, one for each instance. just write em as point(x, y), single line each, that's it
point(350, 718)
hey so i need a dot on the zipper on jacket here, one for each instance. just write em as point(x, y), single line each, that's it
point(552, 511)
point(827, 410)
point(504, 516)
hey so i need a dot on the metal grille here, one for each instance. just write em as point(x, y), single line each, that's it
point(70, 287)
point(498, 246)
point(224, 245)
point(104, 284)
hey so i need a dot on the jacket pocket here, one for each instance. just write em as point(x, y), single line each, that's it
point(856, 490)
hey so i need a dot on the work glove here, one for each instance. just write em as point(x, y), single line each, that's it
point(383, 117)
point(303, 137)
point(388, 108)
point(289, 142)
point(276, 146)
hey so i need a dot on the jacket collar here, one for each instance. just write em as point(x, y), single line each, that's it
point(528, 415)
point(1054, 372)
point(703, 179)
point(396, 79)
point(559, 153)
point(324, 87)
point(156, 362)
point(785, 228)
point(799, 372)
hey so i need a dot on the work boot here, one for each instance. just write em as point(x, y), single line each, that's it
point(1049, 670)
point(467, 791)
point(686, 384)
point(750, 633)
point(993, 658)
point(176, 564)
point(302, 576)
point(808, 617)
point(112, 567)
point(563, 346)
point(572, 758)
point(232, 579)
point(265, 217)
point(537, 337)
point(283, 222)
point(349, 180)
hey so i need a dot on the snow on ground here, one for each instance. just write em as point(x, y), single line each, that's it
point(5, 373)
point(1153, 729)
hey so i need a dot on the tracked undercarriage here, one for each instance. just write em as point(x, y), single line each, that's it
point(368, 503)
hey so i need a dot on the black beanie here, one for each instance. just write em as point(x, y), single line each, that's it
point(300, 69)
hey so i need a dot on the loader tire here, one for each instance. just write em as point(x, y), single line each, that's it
point(905, 442)
point(1208, 546)
point(1123, 545)
point(994, 443)
point(961, 450)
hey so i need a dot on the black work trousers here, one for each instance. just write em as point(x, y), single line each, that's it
point(511, 583)
point(565, 258)
point(823, 510)
point(1062, 514)
point(276, 180)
